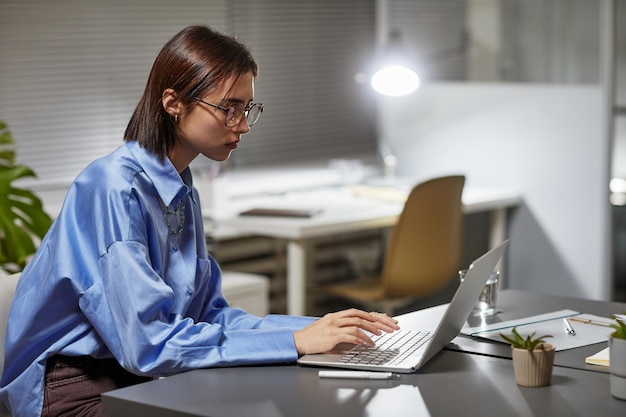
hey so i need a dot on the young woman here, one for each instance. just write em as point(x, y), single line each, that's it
point(122, 288)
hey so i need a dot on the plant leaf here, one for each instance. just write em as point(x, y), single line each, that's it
point(530, 342)
point(22, 218)
point(619, 328)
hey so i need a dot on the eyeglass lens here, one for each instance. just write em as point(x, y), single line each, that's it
point(237, 111)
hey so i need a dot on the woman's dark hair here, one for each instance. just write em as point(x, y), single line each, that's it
point(193, 62)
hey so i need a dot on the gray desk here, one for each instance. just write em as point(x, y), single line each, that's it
point(452, 384)
point(463, 380)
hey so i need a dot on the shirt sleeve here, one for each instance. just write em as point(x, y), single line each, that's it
point(134, 312)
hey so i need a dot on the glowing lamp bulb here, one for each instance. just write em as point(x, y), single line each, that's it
point(395, 81)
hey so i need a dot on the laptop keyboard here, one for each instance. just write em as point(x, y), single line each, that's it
point(390, 349)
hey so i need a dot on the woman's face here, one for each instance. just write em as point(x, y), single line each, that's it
point(202, 128)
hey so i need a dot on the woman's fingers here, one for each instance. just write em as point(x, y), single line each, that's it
point(346, 326)
point(372, 322)
point(385, 320)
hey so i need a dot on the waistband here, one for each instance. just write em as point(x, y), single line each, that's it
point(84, 360)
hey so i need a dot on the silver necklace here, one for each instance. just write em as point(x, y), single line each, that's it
point(168, 212)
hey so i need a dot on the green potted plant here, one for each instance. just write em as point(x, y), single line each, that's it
point(617, 358)
point(533, 358)
point(23, 221)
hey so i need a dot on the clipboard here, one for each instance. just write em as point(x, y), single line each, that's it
point(550, 324)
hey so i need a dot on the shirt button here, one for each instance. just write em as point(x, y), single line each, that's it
point(174, 247)
point(189, 291)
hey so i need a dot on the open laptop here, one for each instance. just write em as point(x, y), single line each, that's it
point(406, 350)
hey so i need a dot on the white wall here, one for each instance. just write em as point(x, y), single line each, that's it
point(547, 142)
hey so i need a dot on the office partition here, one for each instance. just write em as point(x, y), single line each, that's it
point(545, 141)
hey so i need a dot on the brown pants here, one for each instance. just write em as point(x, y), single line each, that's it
point(74, 384)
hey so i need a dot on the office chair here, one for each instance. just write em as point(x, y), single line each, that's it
point(7, 290)
point(423, 251)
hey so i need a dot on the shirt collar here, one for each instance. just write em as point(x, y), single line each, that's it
point(168, 183)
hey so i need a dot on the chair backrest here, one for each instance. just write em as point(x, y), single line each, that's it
point(424, 248)
point(7, 289)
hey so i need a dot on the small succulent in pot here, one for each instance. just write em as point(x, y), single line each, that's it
point(533, 358)
point(617, 357)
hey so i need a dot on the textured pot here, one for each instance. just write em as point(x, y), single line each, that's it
point(617, 357)
point(533, 368)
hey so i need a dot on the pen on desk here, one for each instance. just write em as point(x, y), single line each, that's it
point(357, 375)
point(587, 321)
point(568, 327)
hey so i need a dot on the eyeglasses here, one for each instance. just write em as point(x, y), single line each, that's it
point(236, 111)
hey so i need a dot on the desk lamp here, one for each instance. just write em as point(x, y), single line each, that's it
point(395, 77)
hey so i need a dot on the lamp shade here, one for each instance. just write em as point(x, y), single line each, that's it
point(394, 75)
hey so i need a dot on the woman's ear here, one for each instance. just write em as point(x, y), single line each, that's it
point(171, 103)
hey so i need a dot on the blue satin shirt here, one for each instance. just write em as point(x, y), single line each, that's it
point(119, 275)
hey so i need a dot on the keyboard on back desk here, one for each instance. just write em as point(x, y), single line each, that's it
point(391, 348)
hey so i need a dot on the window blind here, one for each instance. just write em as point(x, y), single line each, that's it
point(434, 31)
point(308, 53)
point(72, 72)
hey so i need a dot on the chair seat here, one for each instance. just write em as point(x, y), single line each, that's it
point(363, 289)
point(370, 294)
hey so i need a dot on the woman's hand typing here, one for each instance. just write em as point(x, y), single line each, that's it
point(346, 326)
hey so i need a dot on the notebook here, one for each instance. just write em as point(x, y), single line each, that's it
point(399, 351)
point(280, 212)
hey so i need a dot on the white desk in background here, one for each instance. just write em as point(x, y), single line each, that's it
point(341, 211)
